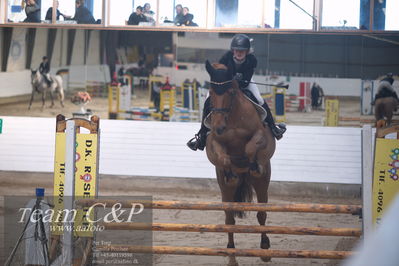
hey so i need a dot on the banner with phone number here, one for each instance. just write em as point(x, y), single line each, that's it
point(85, 180)
point(385, 178)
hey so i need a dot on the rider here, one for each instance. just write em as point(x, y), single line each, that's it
point(243, 63)
point(44, 69)
point(385, 88)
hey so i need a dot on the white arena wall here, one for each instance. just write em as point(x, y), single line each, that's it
point(143, 148)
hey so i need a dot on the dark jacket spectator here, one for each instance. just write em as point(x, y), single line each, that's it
point(82, 14)
point(179, 15)
point(49, 14)
point(32, 10)
point(137, 17)
point(187, 19)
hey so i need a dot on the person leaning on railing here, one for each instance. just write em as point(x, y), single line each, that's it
point(82, 14)
point(32, 10)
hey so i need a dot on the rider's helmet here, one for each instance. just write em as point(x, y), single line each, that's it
point(45, 58)
point(389, 78)
point(240, 42)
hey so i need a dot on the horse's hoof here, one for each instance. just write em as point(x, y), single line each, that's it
point(231, 179)
point(265, 243)
point(266, 259)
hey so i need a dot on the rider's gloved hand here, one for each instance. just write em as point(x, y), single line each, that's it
point(238, 76)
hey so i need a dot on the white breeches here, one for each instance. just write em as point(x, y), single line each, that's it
point(255, 91)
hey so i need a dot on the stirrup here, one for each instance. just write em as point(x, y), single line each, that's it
point(278, 131)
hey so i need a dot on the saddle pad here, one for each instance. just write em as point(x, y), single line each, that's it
point(262, 113)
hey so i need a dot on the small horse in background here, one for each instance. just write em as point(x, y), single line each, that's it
point(40, 85)
point(239, 145)
point(384, 109)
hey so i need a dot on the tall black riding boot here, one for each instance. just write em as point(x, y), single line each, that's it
point(277, 130)
point(199, 140)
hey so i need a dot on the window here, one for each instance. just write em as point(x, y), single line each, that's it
point(120, 11)
point(269, 13)
point(391, 13)
point(249, 13)
point(341, 14)
point(296, 16)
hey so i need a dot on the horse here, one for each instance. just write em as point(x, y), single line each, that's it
point(240, 147)
point(384, 108)
point(40, 85)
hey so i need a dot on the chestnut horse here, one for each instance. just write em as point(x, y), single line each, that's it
point(239, 145)
point(383, 109)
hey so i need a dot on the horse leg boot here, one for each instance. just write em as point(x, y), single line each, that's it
point(199, 140)
point(277, 130)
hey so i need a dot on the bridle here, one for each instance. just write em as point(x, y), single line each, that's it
point(220, 88)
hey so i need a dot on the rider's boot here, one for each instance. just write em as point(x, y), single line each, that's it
point(199, 140)
point(277, 130)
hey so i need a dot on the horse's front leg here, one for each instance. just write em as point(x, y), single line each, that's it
point(217, 156)
point(258, 142)
point(31, 99)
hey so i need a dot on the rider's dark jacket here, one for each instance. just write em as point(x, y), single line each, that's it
point(246, 68)
point(44, 68)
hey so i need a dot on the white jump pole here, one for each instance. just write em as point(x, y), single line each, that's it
point(69, 190)
point(367, 180)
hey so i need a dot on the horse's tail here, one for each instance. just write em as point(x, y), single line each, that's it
point(243, 194)
point(62, 71)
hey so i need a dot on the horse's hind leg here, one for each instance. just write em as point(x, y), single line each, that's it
point(52, 99)
point(261, 186)
point(43, 98)
point(61, 92)
point(228, 196)
point(31, 99)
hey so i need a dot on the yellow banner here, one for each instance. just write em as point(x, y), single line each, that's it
point(59, 179)
point(332, 113)
point(385, 179)
point(85, 180)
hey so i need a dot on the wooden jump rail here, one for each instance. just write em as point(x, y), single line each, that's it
point(229, 206)
point(222, 228)
point(314, 254)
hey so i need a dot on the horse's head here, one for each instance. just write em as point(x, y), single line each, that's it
point(222, 92)
point(34, 75)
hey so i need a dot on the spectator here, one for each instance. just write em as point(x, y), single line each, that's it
point(82, 14)
point(32, 10)
point(179, 15)
point(187, 19)
point(137, 17)
point(148, 13)
point(49, 14)
point(315, 95)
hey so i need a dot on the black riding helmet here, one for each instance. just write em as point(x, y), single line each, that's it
point(240, 42)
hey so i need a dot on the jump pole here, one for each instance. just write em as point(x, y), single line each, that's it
point(314, 254)
point(222, 228)
point(229, 206)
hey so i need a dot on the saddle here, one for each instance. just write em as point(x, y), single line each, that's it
point(250, 97)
